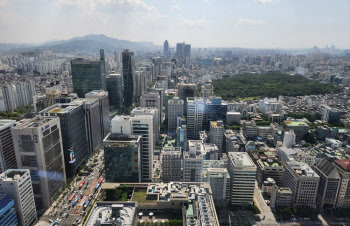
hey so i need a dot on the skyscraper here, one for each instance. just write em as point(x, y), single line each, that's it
point(73, 133)
point(88, 75)
point(195, 113)
point(102, 97)
point(114, 83)
point(7, 151)
point(129, 77)
point(38, 146)
point(166, 48)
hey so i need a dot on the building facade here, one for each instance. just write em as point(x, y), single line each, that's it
point(7, 150)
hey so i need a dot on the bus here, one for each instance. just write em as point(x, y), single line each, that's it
point(82, 183)
point(75, 202)
point(86, 204)
point(97, 186)
point(71, 197)
point(100, 181)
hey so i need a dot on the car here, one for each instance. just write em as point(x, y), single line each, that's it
point(78, 219)
point(294, 219)
point(306, 218)
point(51, 221)
point(64, 215)
point(263, 217)
point(65, 207)
point(67, 215)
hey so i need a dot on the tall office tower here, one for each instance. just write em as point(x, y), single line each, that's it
point(175, 110)
point(156, 121)
point(38, 146)
point(180, 49)
point(7, 211)
point(51, 96)
point(102, 96)
point(88, 75)
point(16, 184)
point(289, 138)
point(193, 161)
point(303, 182)
point(122, 158)
point(207, 90)
point(152, 100)
point(215, 110)
point(195, 114)
point(7, 151)
point(216, 134)
point(329, 183)
point(114, 83)
point(242, 173)
point(93, 122)
point(166, 49)
point(128, 77)
point(73, 133)
point(187, 51)
point(171, 164)
point(139, 125)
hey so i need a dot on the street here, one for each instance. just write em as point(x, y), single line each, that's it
point(70, 209)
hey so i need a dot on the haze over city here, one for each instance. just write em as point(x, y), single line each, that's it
point(204, 23)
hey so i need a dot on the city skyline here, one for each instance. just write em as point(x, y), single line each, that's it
point(246, 24)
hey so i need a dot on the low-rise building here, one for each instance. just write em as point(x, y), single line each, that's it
point(281, 197)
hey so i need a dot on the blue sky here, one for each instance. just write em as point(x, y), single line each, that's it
point(203, 23)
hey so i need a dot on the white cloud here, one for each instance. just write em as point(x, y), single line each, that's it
point(250, 22)
point(267, 1)
point(191, 22)
point(177, 7)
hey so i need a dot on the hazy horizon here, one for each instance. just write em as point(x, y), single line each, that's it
point(263, 24)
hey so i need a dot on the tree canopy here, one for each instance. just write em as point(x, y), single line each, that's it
point(269, 85)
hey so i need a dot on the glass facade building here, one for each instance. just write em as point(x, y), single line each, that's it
point(114, 83)
point(215, 110)
point(88, 75)
point(7, 211)
point(129, 77)
point(122, 158)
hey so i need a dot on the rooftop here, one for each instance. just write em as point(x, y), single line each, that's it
point(344, 163)
point(295, 123)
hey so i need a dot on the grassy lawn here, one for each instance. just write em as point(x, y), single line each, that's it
point(140, 196)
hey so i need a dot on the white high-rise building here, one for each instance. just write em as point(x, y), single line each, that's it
point(289, 138)
point(303, 182)
point(216, 134)
point(195, 114)
point(193, 161)
point(242, 173)
point(38, 147)
point(17, 184)
point(175, 110)
point(149, 111)
point(139, 125)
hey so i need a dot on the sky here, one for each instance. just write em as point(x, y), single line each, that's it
point(202, 23)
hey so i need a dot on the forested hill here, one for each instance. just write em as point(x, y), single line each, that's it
point(268, 85)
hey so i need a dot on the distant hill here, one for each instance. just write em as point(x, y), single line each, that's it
point(268, 85)
point(88, 42)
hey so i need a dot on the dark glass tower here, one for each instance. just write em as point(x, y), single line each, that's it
point(128, 77)
point(166, 48)
point(88, 75)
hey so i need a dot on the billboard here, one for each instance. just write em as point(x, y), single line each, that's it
point(71, 155)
